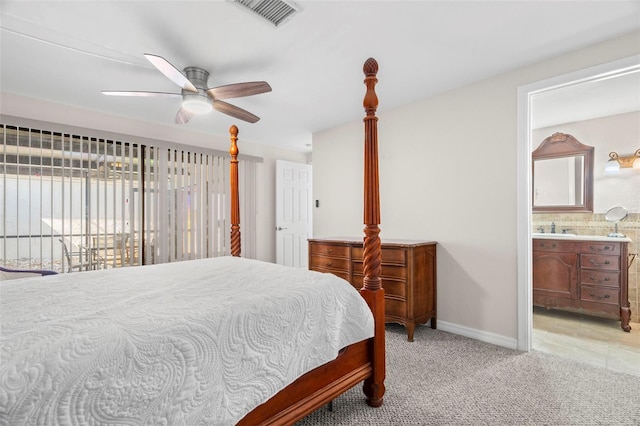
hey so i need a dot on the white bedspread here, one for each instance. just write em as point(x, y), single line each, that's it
point(188, 343)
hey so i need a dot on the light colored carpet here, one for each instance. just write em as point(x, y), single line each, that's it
point(445, 379)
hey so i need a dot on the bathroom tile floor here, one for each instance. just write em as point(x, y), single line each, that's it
point(588, 339)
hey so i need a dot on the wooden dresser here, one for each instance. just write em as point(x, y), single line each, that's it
point(408, 275)
point(582, 275)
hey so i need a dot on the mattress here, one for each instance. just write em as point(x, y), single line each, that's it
point(185, 343)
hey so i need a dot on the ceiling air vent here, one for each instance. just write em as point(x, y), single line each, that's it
point(275, 11)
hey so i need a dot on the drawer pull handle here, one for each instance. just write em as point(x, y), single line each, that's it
point(329, 250)
point(544, 245)
point(329, 263)
point(592, 278)
point(593, 262)
point(606, 296)
point(605, 248)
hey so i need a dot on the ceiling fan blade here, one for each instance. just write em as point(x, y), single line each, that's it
point(234, 111)
point(137, 93)
point(171, 72)
point(183, 116)
point(239, 90)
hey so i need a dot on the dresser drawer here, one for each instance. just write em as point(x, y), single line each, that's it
point(329, 250)
point(596, 277)
point(600, 248)
point(596, 261)
point(395, 309)
point(397, 289)
point(396, 256)
point(387, 271)
point(599, 294)
point(329, 263)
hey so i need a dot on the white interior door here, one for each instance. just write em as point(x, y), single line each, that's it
point(293, 213)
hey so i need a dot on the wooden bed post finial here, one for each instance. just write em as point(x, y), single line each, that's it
point(372, 290)
point(370, 69)
point(235, 201)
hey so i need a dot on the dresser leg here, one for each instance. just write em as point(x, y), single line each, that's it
point(625, 316)
point(410, 328)
point(434, 324)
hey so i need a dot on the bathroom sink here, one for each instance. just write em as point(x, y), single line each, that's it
point(549, 236)
point(546, 234)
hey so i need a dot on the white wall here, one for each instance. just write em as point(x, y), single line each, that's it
point(35, 109)
point(448, 173)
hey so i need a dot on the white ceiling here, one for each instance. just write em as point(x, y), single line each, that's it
point(68, 52)
point(598, 97)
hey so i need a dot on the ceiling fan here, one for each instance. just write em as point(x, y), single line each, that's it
point(197, 98)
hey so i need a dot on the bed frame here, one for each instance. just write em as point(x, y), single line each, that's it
point(361, 361)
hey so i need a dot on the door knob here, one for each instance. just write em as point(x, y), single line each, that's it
point(278, 228)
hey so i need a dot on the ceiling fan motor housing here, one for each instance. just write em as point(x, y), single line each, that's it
point(197, 103)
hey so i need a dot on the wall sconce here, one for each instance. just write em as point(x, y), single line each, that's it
point(617, 162)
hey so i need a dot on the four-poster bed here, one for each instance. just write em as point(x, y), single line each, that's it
point(363, 360)
point(211, 341)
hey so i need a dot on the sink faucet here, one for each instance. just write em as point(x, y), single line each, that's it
point(541, 229)
point(553, 227)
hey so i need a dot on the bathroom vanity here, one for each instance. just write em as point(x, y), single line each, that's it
point(585, 274)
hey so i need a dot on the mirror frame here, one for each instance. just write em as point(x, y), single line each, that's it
point(563, 145)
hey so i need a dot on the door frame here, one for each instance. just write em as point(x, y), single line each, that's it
point(524, 177)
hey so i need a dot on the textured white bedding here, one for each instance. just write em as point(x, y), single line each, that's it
point(187, 343)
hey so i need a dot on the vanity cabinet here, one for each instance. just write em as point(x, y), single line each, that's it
point(586, 276)
point(408, 275)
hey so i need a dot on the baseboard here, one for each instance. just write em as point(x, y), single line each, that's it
point(483, 336)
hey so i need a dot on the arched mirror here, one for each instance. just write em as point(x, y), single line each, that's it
point(562, 175)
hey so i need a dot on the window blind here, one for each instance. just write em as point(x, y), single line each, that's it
point(113, 203)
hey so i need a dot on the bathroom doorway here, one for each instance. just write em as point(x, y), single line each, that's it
point(530, 99)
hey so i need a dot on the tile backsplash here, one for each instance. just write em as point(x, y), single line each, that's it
point(595, 224)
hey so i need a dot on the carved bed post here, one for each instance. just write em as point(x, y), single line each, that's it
point(235, 202)
point(372, 290)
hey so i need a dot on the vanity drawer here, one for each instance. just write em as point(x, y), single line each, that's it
point(329, 250)
point(329, 264)
point(600, 278)
point(599, 294)
point(595, 261)
point(540, 244)
point(600, 248)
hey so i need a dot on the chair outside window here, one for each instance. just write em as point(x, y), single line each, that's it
point(108, 251)
point(76, 260)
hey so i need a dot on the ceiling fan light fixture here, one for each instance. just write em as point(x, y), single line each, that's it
point(196, 103)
